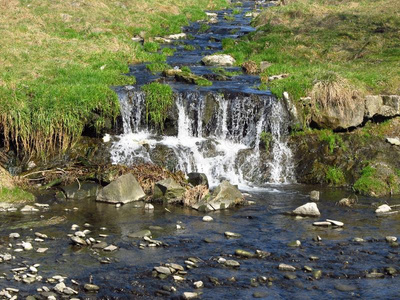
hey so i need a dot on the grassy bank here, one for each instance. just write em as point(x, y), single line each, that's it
point(326, 40)
point(58, 60)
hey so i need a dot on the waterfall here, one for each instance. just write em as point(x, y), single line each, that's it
point(216, 135)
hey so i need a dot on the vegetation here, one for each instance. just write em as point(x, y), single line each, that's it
point(15, 195)
point(266, 139)
point(203, 82)
point(335, 176)
point(333, 139)
point(58, 61)
point(368, 183)
point(313, 39)
point(157, 67)
point(159, 98)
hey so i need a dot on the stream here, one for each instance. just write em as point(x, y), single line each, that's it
point(355, 261)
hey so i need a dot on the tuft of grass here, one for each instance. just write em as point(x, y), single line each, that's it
point(159, 98)
point(157, 67)
point(334, 140)
point(15, 195)
point(203, 82)
point(335, 176)
point(189, 47)
point(368, 184)
point(151, 46)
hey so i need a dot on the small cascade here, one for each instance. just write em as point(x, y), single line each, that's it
point(215, 134)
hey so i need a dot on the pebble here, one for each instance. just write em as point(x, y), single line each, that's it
point(149, 206)
point(91, 287)
point(14, 235)
point(244, 253)
point(322, 224)
point(358, 240)
point(140, 234)
point(74, 227)
point(190, 295)
point(260, 294)
point(317, 274)
point(296, 243)
point(27, 246)
point(28, 208)
point(391, 239)
point(42, 250)
point(232, 234)
point(163, 270)
point(208, 219)
point(33, 269)
point(345, 287)
point(78, 241)
point(198, 284)
point(80, 234)
point(335, 223)
point(110, 248)
point(285, 267)
point(59, 288)
point(375, 274)
point(232, 263)
point(308, 269)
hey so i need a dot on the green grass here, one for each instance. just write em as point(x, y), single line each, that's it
point(334, 140)
point(159, 98)
point(368, 183)
point(335, 176)
point(310, 38)
point(189, 48)
point(203, 82)
point(157, 67)
point(266, 139)
point(58, 62)
point(15, 195)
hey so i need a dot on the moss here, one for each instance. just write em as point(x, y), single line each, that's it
point(203, 82)
point(204, 27)
point(186, 69)
point(333, 139)
point(189, 48)
point(266, 139)
point(15, 195)
point(159, 98)
point(369, 184)
point(168, 51)
point(157, 67)
point(335, 176)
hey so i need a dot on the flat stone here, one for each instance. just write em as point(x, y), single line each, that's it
point(383, 209)
point(232, 234)
point(91, 287)
point(375, 275)
point(41, 235)
point(244, 253)
point(42, 250)
point(28, 208)
point(322, 224)
point(110, 248)
point(223, 60)
point(391, 239)
point(358, 240)
point(80, 234)
point(232, 263)
point(345, 287)
point(190, 295)
point(177, 36)
point(335, 223)
point(393, 141)
point(208, 219)
point(100, 245)
point(285, 267)
point(177, 267)
point(78, 241)
point(14, 235)
point(260, 295)
point(163, 270)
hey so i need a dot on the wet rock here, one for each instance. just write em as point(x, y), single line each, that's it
point(78, 241)
point(232, 263)
point(391, 239)
point(290, 276)
point(122, 190)
point(358, 240)
point(163, 270)
point(14, 235)
point(140, 234)
point(79, 191)
point(80, 234)
point(314, 196)
point(317, 274)
point(149, 206)
point(383, 209)
point(208, 219)
point(91, 287)
point(29, 208)
point(27, 246)
point(110, 248)
point(169, 191)
point(260, 294)
point(177, 36)
point(41, 235)
point(223, 60)
point(232, 234)
point(42, 250)
point(309, 209)
point(346, 202)
point(198, 284)
point(308, 269)
point(198, 179)
point(391, 271)
point(345, 287)
point(59, 288)
point(285, 267)
point(224, 196)
point(100, 245)
point(296, 243)
point(244, 253)
point(322, 224)
point(190, 295)
point(375, 274)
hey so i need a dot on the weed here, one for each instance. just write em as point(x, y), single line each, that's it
point(266, 140)
point(157, 67)
point(203, 82)
point(189, 47)
point(335, 176)
point(15, 195)
point(333, 139)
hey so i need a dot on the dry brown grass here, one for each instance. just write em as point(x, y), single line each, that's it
point(195, 195)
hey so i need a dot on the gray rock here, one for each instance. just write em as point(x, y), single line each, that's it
point(91, 287)
point(110, 248)
point(373, 105)
point(122, 190)
point(244, 253)
point(79, 191)
point(232, 263)
point(393, 141)
point(198, 179)
point(230, 234)
point(169, 191)
point(14, 235)
point(345, 287)
point(285, 267)
point(163, 270)
point(314, 196)
point(78, 241)
point(224, 196)
point(190, 295)
point(223, 60)
point(309, 209)
point(208, 219)
point(264, 65)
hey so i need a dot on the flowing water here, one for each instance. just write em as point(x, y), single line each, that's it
point(216, 130)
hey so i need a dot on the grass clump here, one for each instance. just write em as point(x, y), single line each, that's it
point(334, 140)
point(159, 98)
point(368, 184)
point(189, 47)
point(151, 46)
point(204, 27)
point(335, 176)
point(203, 82)
point(157, 67)
point(266, 140)
point(15, 195)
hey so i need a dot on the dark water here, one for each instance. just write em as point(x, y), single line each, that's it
point(263, 226)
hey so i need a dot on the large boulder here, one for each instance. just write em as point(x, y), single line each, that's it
point(224, 196)
point(223, 60)
point(169, 191)
point(122, 190)
point(79, 191)
point(384, 106)
point(307, 210)
point(6, 180)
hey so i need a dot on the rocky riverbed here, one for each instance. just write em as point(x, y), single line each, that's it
point(252, 251)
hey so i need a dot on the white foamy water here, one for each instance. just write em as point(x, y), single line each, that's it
point(230, 151)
